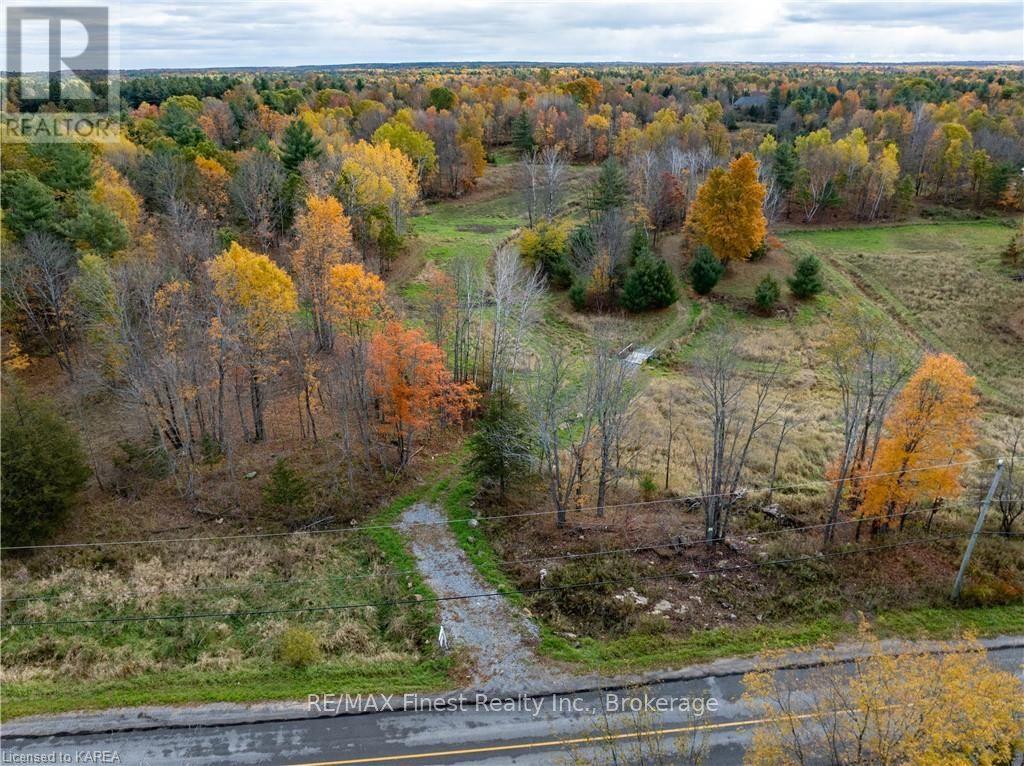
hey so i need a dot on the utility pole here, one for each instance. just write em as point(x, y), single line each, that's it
point(959, 583)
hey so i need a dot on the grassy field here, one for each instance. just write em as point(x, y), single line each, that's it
point(221, 658)
point(944, 283)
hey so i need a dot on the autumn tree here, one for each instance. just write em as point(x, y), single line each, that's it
point(323, 239)
point(377, 177)
point(412, 388)
point(869, 364)
point(918, 709)
point(414, 144)
point(727, 213)
point(929, 429)
point(259, 299)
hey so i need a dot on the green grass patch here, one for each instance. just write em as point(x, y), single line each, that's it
point(650, 650)
point(473, 540)
point(258, 682)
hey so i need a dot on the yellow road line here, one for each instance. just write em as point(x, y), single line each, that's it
point(558, 742)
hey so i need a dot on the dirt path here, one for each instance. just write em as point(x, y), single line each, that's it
point(499, 638)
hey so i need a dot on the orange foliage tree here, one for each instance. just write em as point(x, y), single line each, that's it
point(931, 424)
point(727, 212)
point(411, 386)
point(323, 240)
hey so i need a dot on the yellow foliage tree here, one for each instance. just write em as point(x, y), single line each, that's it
point(113, 192)
point(726, 214)
point(949, 709)
point(257, 299)
point(323, 240)
point(931, 424)
point(355, 296)
point(379, 176)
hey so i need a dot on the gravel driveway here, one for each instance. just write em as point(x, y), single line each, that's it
point(498, 636)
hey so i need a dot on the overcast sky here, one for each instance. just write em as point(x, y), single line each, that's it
point(208, 33)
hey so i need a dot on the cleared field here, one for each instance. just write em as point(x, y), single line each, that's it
point(48, 668)
point(945, 284)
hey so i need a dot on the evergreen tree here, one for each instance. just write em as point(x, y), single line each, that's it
point(96, 228)
point(65, 167)
point(785, 166)
point(27, 202)
point(442, 98)
point(501, 446)
point(639, 244)
point(806, 281)
point(649, 285)
point(43, 468)
point(612, 187)
point(767, 293)
point(299, 144)
point(705, 270)
point(522, 132)
point(286, 488)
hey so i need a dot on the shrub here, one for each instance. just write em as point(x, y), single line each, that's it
point(705, 270)
point(992, 591)
point(649, 285)
point(806, 281)
point(760, 251)
point(1013, 252)
point(767, 293)
point(545, 245)
point(43, 468)
point(286, 488)
point(648, 487)
point(298, 648)
point(578, 293)
point(592, 608)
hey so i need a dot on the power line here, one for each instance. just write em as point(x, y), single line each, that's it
point(670, 543)
point(399, 526)
point(471, 596)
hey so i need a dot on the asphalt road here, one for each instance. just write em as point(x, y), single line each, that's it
point(523, 734)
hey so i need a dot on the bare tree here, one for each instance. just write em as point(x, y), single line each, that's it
point(517, 291)
point(563, 412)
point(554, 172)
point(673, 424)
point(869, 367)
point(530, 173)
point(37, 279)
point(735, 408)
point(615, 386)
point(257, 189)
point(467, 344)
point(789, 422)
point(1010, 494)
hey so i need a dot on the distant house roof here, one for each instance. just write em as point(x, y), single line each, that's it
point(748, 102)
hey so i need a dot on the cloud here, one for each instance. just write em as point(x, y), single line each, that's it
point(195, 33)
